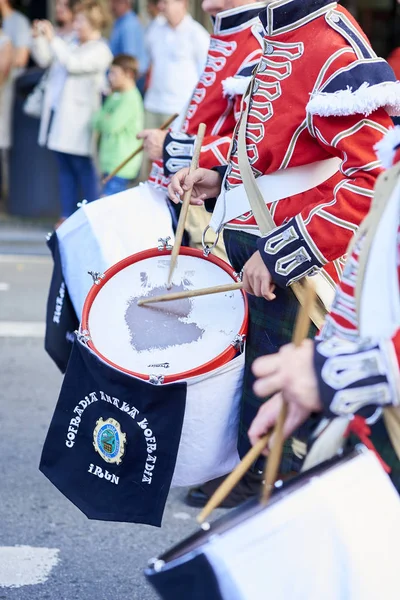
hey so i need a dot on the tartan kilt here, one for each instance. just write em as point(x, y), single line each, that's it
point(271, 326)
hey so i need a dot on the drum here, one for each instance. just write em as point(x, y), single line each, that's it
point(331, 533)
point(101, 233)
point(165, 380)
point(94, 238)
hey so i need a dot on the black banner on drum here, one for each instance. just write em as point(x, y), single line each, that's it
point(112, 443)
point(61, 319)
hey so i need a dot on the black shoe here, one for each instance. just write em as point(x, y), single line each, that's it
point(248, 487)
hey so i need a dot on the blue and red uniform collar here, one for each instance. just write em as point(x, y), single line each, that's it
point(236, 19)
point(280, 16)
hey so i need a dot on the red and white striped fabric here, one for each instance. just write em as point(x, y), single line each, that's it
point(357, 353)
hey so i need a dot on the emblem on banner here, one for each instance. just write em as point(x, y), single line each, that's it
point(109, 441)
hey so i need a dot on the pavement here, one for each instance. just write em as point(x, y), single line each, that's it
point(24, 236)
point(48, 548)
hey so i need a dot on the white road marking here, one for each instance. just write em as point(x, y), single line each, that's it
point(4, 287)
point(22, 258)
point(24, 565)
point(22, 329)
point(182, 516)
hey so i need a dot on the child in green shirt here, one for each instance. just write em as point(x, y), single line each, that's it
point(118, 122)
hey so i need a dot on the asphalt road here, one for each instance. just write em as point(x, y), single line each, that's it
point(85, 560)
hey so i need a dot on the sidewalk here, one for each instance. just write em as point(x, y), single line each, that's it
point(24, 236)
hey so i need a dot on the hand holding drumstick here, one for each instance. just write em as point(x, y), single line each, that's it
point(263, 440)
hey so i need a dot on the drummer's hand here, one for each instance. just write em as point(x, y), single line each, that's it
point(153, 142)
point(257, 279)
point(291, 372)
point(267, 417)
point(205, 184)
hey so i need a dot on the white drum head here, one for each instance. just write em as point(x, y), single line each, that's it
point(166, 338)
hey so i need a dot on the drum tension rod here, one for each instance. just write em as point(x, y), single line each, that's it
point(164, 244)
point(96, 276)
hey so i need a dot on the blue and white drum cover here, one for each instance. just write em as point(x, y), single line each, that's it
point(94, 238)
point(151, 394)
point(330, 534)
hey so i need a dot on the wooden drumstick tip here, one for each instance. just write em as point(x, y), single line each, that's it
point(233, 478)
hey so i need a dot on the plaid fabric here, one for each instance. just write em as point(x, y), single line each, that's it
point(270, 327)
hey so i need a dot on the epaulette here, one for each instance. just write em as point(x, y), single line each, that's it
point(363, 86)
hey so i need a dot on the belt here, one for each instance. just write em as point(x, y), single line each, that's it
point(279, 185)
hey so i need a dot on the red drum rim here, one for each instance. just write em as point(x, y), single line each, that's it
point(220, 360)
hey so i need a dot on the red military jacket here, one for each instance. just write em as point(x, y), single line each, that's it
point(320, 92)
point(235, 49)
point(357, 360)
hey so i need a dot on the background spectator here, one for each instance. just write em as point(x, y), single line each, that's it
point(127, 37)
point(178, 50)
point(118, 122)
point(17, 29)
point(82, 66)
point(43, 55)
point(153, 12)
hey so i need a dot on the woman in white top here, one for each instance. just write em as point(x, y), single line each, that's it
point(16, 29)
point(78, 75)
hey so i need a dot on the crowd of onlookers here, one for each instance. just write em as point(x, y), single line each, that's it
point(106, 76)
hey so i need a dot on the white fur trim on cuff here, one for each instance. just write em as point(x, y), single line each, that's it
point(235, 86)
point(386, 148)
point(363, 101)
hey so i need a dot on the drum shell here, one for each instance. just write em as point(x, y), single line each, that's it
point(208, 446)
point(334, 540)
point(102, 233)
point(208, 443)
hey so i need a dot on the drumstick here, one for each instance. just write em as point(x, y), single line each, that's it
point(301, 330)
point(300, 333)
point(137, 151)
point(233, 479)
point(185, 204)
point(217, 289)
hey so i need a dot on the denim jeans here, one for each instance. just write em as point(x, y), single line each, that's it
point(78, 181)
point(115, 185)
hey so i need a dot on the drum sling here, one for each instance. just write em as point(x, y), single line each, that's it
point(260, 211)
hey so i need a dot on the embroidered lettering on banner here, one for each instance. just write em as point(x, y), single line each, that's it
point(109, 440)
point(59, 304)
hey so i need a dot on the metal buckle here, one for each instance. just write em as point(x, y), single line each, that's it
point(208, 249)
point(96, 276)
